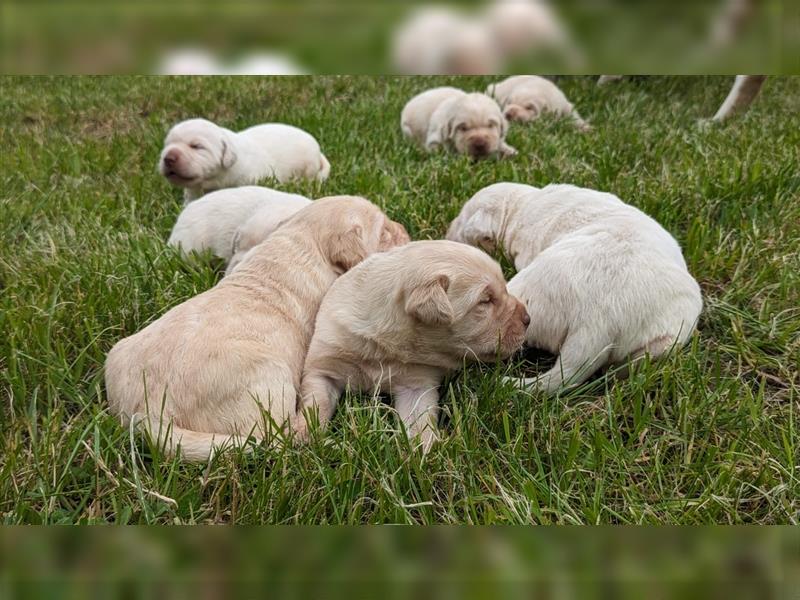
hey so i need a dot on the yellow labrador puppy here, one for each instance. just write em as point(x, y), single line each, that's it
point(201, 376)
point(201, 156)
point(602, 281)
point(524, 98)
point(447, 117)
point(401, 321)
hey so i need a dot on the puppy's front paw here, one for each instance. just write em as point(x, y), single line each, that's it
point(507, 150)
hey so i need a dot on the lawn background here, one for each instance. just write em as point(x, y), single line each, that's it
point(707, 436)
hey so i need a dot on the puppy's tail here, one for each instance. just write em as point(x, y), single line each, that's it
point(324, 168)
point(193, 446)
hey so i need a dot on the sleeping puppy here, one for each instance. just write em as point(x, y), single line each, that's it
point(201, 156)
point(471, 124)
point(227, 363)
point(524, 98)
point(256, 229)
point(603, 282)
point(400, 322)
point(213, 221)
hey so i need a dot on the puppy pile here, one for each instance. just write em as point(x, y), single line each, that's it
point(328, 295)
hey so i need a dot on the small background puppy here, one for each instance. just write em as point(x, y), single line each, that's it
point(212, 222)
point(524, 98)
point(399, 322)
point(602, 281)
point(201, 375)
point(201, 156)
point(471, 124)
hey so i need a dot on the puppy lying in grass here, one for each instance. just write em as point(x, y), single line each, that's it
point(201, 156)
point(400, 322)
point(603, 282)
point(447, 117)
point(525, 98)
point(213, 222)
point(227, 363)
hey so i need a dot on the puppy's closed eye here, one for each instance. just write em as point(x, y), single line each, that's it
point(196, 146)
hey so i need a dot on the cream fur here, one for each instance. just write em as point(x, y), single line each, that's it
point(227, 363)
point(402, 320)
point(602, 281)
point(213, 221)
point(201, 156)
point(447, 117)
point(525, 98)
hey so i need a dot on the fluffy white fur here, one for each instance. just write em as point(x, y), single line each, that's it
point(446, 117)
point(525, 98)
point(602, 281)
point(213, 221)
point(201, 156)
point(401, 321)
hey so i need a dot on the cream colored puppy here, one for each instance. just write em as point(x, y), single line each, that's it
point(401, 321)
point(471, 124)
point(522, 27)
point(602, 281)
point(437, 40)
point(201, 156)
point(227, 363)
point(524, 98)
point(213, 221)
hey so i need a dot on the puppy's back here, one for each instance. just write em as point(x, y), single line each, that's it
point(416, 115)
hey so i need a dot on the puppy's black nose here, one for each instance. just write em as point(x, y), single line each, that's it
point(170, 159)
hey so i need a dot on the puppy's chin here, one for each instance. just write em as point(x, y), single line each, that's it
point(177, 179)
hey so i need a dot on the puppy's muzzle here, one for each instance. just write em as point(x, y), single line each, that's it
point(479, 148)
point(512, 113)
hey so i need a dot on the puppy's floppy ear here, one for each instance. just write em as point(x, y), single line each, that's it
point(440, 132)
point(346, 250)
point(393, 234)
point(478, 227)
point(429, 304)
point(228, 154)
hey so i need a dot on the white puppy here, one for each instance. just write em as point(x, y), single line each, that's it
point(212, 222)
point(470, 124)
point(526, 97)
point(437, 40)
point(209, 371)
point(401, 321)
point(602, 281)
point(523, 27)
point(201, 156)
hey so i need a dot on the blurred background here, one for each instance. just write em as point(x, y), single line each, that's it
point(382, 36)
point(434, 562)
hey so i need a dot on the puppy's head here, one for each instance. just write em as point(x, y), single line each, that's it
point(481, 220)
point(476, 126)
point(349, 229)
point(522, 106)
point(457, 298)
point(195, 151)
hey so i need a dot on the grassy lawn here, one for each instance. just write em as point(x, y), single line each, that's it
point(707, 436)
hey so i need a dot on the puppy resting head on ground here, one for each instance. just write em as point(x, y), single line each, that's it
point(472, 124)
point(195, 151)
point(401, 321)
point(484, 220)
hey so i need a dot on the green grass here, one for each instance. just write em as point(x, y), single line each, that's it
point(707, 436)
